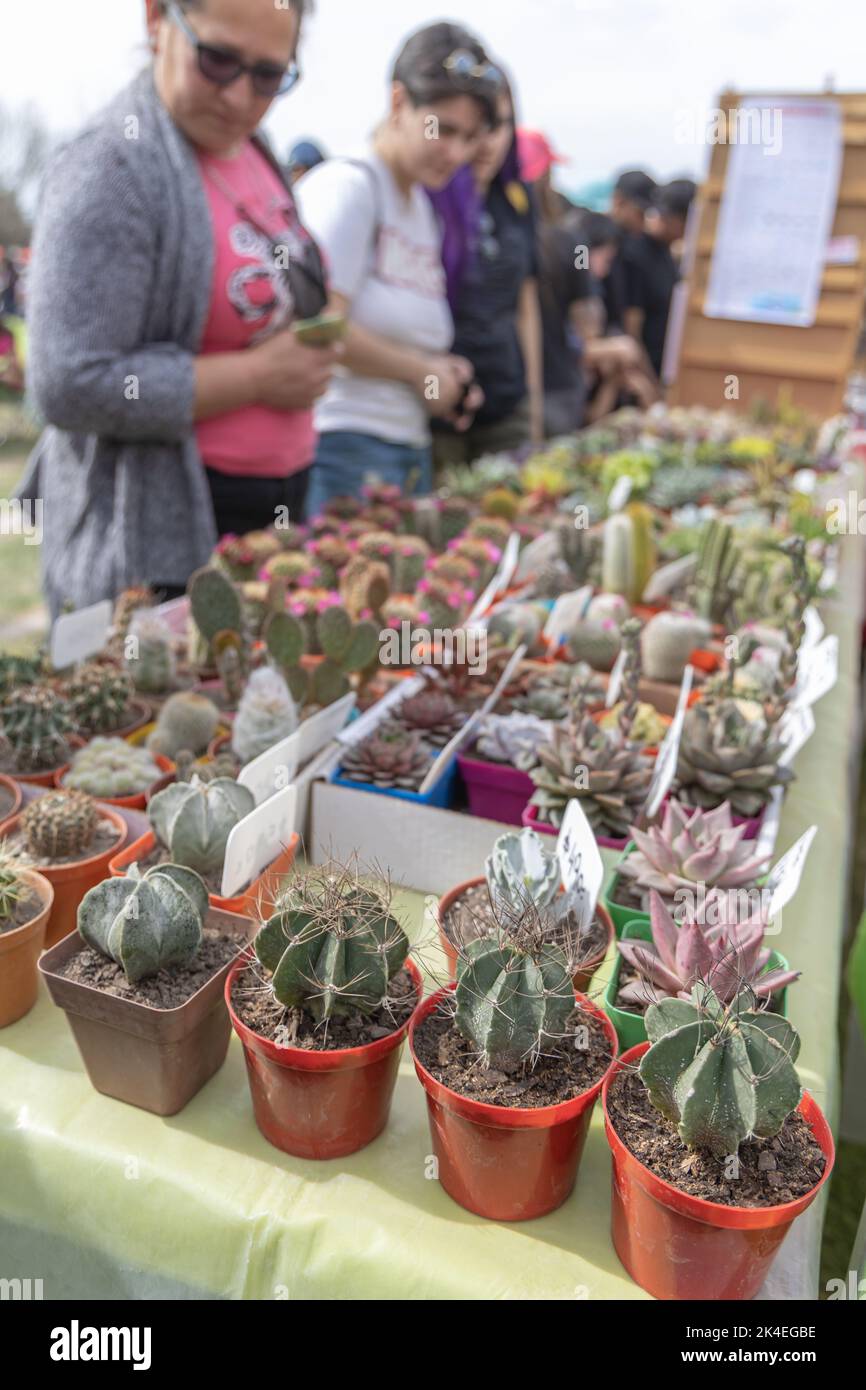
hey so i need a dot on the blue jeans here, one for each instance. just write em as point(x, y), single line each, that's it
point(344, 459)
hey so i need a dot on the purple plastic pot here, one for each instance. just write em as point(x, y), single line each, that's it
point(603, 842)
point(495, 790)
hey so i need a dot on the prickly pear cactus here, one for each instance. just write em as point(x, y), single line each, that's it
point(146, 924)
point(512, 1005)
point(194, 821)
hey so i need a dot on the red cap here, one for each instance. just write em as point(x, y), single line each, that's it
point(536, 154)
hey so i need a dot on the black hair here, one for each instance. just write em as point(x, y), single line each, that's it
point(596, 229)
point(420, 67)
point(675, 198)
point(636, 186)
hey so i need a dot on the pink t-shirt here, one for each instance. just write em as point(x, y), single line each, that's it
point(250, 301)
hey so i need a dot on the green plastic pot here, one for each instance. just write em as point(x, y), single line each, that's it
point(630, 1028)
point(619, 915)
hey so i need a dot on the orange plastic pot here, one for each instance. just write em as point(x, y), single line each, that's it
point(20, 950)
point(71, 881)
point(140, 800)
point(320, 1104)
point(583, 977)
point(504, 1163)
point(13, 788)
point(260, 892)
point(46, 779)
point(681, 1247)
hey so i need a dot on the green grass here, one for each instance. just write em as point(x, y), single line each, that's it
point(22, 618)
point(844, 1209)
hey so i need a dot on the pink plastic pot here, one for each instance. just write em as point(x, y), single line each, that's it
point(496, 791)
point(603, 842)
point(503, 1163)
point(320, 1104)
point(681, 1247)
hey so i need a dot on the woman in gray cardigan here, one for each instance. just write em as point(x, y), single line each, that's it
point(168, 265)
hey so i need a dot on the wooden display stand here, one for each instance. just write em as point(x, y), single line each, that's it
point(812, 364)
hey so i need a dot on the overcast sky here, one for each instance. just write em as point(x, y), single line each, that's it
point(606, 79)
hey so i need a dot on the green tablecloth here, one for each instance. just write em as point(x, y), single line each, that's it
point(100, 1200)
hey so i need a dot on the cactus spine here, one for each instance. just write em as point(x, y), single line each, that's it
point(59, 825)
point(512, 1004)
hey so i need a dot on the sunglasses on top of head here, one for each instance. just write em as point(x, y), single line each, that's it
point(223, 67)
point(464, 64)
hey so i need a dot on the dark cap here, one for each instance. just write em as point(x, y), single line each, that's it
point(675, 198)
point(305, 155)
point(636, 187)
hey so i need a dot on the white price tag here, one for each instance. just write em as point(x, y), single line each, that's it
point(501, 579)
point(818, 671)
point(257, 840)
point(620, 494)
point(784, 881)
point(580, 861)
point(769, 833)
point(796, 727)
point(670, 577)
point(320, 729)
point(544, 550)
point(669, 752)
point(814, 629)
point(568, 610)
point(76, 636)
point(272, 771)
point(615, 682)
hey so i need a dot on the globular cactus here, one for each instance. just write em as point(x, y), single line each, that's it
point(111, 767)
point(186, 720)
point(484, 556)
point(597, 643)
point(194, 820)
point(13, 886)
point(146, 923)
point(18, 671)
point(455, 514)
point(609, 608)
point(36, 723)
point(128, 604)
point(331, 946)
point(501, 502)
point(300, 571)
point(99, 696)
point(512, 1004)
point(512, 739)
point(266, 716)
point(519, 871)
point(378, 545)
point(331, 555)
point(225, 764)
point(149, 653)
point(59, 825)
point(668, 641)
point(408, 563)
point(720, 1074)
point(453, 568)
point(365, 586)
point(489, 528)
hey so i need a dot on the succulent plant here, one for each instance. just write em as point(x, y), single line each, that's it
point(628, 555)
point(720, 1074)
point(217, 612)
point(433, 715)
point(365, 586)
point(484, 557)
point(111, 767)
point(267, 714)
point(194, 820)
point(516, 625)
point(455, 514)
point(668, 641)
point(99, 696)
point(146, 923)
point(149, 653)
point(692, 847)
point(682, 485)
point(716, 581)
point(59, 825)
point(332, 945)
point(349, 649)
point(549, 694)
point(598, 643)
point(519, 870)
point(18, 671)
point(13, 887)
point(453, 568)
point(609, 608)
point(729, 957)
point(727, 757)
point(512, 1004)
point(608, 774)
point(501, 502)
point(390, 759)
point(648, 727)
point(36, 723)
point(186, 720)
point(512, 739)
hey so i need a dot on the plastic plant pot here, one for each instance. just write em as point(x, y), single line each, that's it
point(71, 881)
point(140, 714)
point(529, 819)
point(319, 1104)
point(46, 779)
point(260, 891)
point(20, 950)
point(680, 1247)
point(13, 790)
point(581, 979)
point(440, 794)
point(619, 914)
point(155, 1059)
point(495, 791)
point(500, 1162)
point(140, 800)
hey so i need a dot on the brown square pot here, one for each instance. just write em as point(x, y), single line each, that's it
point(156, 1059)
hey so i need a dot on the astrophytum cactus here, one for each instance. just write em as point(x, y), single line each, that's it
point(512, 1004)
point(146, 923)
point(194, 820)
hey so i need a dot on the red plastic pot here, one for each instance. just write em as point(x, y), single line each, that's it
point(500, 1162)
point(581, 980)
point(681, 1247)
point(319, 1104)
point(139, 801)
point(496, 791)
point(46, 779)
point(528, 819)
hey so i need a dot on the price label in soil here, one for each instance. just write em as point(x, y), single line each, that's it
point(256, 841)
point(669, 752)
point(615, 683)
point(669, 578)
point(272, 771)
point(620, 494)
point(814, 629)
point(568, 610)
point(796, 727)
point(580, 861)
point(501, 579)
point(784, 881)
point(320, 729)
point(818, 672)
point(76, 636)
point(769, 834)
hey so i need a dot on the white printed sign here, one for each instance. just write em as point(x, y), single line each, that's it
point(769, 832)
point(76, 636)
point(580, 861)
point(620, 494)
point(784, 881)
point(796, 727)
point(257, 840)
point(543, 551)
point(669, 752)
point(615, 682)
point(271, 771)
point(320, 729)
point(814, 629)
point(470, 728)
point(818, 672)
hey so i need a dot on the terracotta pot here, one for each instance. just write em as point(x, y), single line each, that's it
point(156, 1059)
point(320, 1104)
point(583, 977)
point(19, 953)
point(504, 1163)
point(46, 779)
point(71, 881)
point(681, 1247)
point(10, 785)
point(140, 800)
point(260, 891)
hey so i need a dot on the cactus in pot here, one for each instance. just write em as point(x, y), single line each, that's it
point(99, 696)
point(59, 825)
point(512, 739)
point(111, 767)
point(267, 714)
point(14, 887)
point(331, 946)
point(715, 585)
point(349, 649)
point(391, 759)
point(149, 653)
point(720, 1073)
point(433, 715)
point(727, 757)
point(596, 642)
point(668, 641)
point(513, 1003)
point(691, 848)
point(36, 725)
point(186, 721)
point(146, 923)
point(217, 611)
point(365, 586)
point(194, 820)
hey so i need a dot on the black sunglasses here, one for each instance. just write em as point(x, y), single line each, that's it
point(222, 67)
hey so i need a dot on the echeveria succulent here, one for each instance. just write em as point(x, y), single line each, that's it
point(692, 847)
